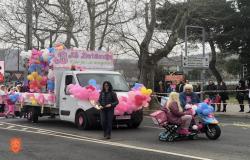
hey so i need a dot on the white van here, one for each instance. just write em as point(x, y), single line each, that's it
point(82, 113)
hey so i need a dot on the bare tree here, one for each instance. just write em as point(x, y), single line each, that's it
point(13, 21)
point(151, 48)
point(68, 14)
point(96, 11)
point(28, 36)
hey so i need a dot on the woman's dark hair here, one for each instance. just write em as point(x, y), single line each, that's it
point(242, 83)
point(109, 84)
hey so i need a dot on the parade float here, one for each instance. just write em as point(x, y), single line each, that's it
point(67, 83)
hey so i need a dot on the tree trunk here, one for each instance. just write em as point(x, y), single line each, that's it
point(68, 36)
point(105, 28)
point(212, 64)
point(142, 64)
point(69, 24)
point(147, 71)
point(28, 36)
point(92, 12)
point(151, 76)
point(42, 44)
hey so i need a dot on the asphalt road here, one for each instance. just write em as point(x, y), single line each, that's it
point(57, 140)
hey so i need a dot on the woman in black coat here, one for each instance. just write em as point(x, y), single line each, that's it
point(223, 94)
point(248, 93)
point(108, 101)
point(240, 94)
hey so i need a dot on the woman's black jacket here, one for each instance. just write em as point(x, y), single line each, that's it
point(108, 98)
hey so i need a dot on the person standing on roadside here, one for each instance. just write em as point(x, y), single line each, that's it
point(179, 87)
point(248, 94)
point(108, 101)
point(211, 92)
point(240, 94)
point(224, 96)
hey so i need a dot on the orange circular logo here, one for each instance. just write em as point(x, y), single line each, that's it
point(15, 145)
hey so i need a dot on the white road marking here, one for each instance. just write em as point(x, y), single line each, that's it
point(24, 129)
point(43, 130)
point(9, 127)
point(86, 139)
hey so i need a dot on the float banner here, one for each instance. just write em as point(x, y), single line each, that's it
point(86, 59)
point(175, 78)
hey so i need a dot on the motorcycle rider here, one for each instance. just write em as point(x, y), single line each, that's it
point(188, 96)
point(176, 115)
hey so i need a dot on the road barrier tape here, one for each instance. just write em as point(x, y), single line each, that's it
point(213, 91)
point(213, 103)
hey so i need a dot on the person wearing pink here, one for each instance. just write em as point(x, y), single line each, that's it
point(176, 115)
point(11, 108)
point(10, 104)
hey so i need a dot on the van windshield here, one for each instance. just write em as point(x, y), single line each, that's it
point(117, 81)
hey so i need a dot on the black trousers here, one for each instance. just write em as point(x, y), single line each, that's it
point(241, 102)
point(224, 104)
point(107, 119)
point(249, 103)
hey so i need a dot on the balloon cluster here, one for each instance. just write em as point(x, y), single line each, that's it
point(90, 92)
point(40, 63)
point(204, 109)
point(137, 98)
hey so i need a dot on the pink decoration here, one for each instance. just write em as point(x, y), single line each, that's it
point(94, 95)
point(189, 109)
point(21, 99)
point(52, 98)
point(159, 117)
point(28, 95)
point(134, 101)
point(83, 93)
point(41, 99)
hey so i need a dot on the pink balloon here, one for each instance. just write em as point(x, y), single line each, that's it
point(94, 95)
point(44, 80)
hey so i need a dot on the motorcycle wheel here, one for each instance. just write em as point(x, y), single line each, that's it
point(171, 138)
point(213, 132)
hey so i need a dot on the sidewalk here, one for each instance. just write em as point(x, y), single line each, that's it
point(232, 111)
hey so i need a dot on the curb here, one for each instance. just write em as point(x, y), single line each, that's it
point(229, 115)
point(233, 115)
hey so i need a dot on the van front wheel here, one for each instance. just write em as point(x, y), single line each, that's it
point(81, 121)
